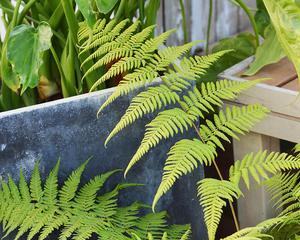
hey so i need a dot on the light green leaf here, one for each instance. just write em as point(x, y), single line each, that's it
point(85, 7)
point(105, 6)
point(268, 52)
point(285, 16)
point(26, 45)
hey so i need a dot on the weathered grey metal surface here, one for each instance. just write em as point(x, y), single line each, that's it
point(69, 129)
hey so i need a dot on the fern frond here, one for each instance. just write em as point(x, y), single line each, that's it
point(213, 194)
point(39, 211)
point(119, 48)
point(165, 125)
point(212, 94)
point(84, 29)
point(233, 120)
point(183, 158)
point(149, 101)
point(109, 33)
point(189, 70)
point(260, 164)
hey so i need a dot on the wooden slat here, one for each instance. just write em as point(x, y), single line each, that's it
point(226, 19)
point(279, 73)
point(292, 85)
point(243, 21)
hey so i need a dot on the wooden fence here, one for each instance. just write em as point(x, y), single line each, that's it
point(227, 20)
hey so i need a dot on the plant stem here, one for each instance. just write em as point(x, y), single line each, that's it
point(120, 9)
point(236, 223)
point(251, 18)
point(25, 10)
point(209, 26)
point(235, 219)
point(184, 26)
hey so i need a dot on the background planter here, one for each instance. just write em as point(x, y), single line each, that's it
point(69, 129)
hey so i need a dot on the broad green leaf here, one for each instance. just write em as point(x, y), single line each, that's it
point(25, 49)
point(105, 6)
point(268, 52)
point(85, 7)
point(243, 46)
point(285, 16)
point(262, 17)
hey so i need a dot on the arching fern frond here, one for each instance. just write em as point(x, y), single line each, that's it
point(213, 194)
point(233, 120)
point(183, 158)
point(77, 214)
point(146, 64)
point(212, 95)
point(261, 165)
point(146, 102)
point(119, 48)
point(165, 125)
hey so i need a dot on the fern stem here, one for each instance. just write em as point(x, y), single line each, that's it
point(235, 219)
point(234, 215)
point(209, 26)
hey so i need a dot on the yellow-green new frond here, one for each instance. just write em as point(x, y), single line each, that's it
point(183, 158)
point(212, 94)
point(190, 69)
point(109, 33)
point(213, 194)
point(165, 125)
point(261, 165)
point(149, 101)
point(85, 31)
point(145, 74)
point(119, 48)
point(233, 120)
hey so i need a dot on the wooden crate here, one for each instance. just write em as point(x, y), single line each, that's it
point(280, 94)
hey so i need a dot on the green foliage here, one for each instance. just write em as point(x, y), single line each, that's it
point(26, 63)
point(40, 209)
point(270, 51)
point(56, 72)
point(285, 16)
point(179, 100)
point(243, 45)
point(212, 194)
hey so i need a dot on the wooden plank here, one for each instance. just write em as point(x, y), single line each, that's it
point(279, 73)
point(173, 19)
point(278, 100)
point(292, 85)
point(199, 17)
point(255, 206)
point(226, 19)
point(277, 125)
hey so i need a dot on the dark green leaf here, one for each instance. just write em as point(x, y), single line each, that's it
point(26, 45)
point(105, 6)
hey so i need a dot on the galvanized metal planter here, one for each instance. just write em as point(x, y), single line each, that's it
point(69, 129)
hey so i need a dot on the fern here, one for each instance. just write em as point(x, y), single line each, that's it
point(232, 121)
point(183, 158)
point(212, 194)
point(165, 125)
point(260, 165)
point(76, 213)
